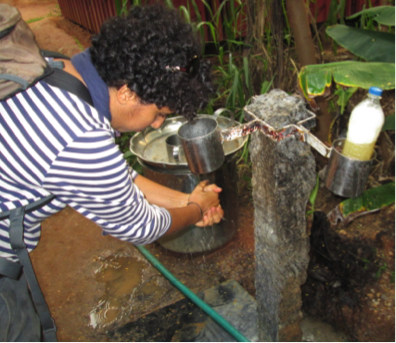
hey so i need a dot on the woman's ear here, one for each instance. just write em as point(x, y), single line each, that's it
point(125, 95)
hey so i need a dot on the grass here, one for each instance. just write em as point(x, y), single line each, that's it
point(79, 44)
point(33, 20)
point(55, 13)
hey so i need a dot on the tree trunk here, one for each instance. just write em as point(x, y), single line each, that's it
point(299, 23)
point(277, 28)
point(257, 17)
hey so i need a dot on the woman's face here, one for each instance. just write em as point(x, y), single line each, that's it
point(128, 114)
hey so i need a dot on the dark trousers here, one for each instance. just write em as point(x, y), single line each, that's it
point(19, 321)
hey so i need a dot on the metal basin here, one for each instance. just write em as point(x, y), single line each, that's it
point(159, 166)
point(150, 145)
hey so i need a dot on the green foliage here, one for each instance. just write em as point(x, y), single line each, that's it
point(80, 46)
point(33, 20)
point(389, 123)
point(313, 195)
point(121, 7)
point(344, 94)
point(383, 15)
point(287, 33)
point(368, 42)
point(169, 3)
point(235, 88)
point(380, 270)
point(372, 199)
point(123, 143)
point(392, 277)
point(314, 79)
point(55, 13)
point(369, 45)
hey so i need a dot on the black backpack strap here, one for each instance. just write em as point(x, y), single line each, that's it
point(10, 269)
point(54, 54)
point(17, 243)
point(30, 207)
point(63, 80)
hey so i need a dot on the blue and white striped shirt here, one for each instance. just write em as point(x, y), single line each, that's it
point(53, 142)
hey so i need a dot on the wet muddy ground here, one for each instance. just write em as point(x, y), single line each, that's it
point(94, 283)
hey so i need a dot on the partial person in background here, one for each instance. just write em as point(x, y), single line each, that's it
point(140, 69)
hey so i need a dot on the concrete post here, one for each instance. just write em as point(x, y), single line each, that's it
point(283, 178)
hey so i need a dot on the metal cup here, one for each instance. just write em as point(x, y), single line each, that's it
point(174, 149)
point(345, 176)
point(202, 144)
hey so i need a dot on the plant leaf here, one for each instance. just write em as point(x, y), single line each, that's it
point(246, 72)
point(128, 154)
point(313, 79)
point(184, 11)
point(212, 29)
point(370, 200)
point(370, 45)
point(389, 123)
point(314, 193)
point(169, 3)
point(344, 95)
point(384, 15)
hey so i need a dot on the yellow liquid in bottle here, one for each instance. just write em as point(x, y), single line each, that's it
point(361, 152)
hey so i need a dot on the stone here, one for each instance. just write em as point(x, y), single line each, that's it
point(278, 109)
point(183, 321)
point(283, 178)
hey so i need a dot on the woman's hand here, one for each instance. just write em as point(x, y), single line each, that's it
point(207, 197)
point(212, 216)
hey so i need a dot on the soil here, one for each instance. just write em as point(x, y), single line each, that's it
point(95, 283)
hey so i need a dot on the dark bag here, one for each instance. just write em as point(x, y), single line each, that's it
point(13, 270)
point(22, 62)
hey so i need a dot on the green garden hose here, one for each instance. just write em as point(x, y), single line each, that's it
point(193, 297)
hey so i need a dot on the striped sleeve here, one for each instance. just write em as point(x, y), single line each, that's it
point(91, 175)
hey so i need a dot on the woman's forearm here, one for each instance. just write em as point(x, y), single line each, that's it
point(183, 217)
point(202, 210)
point(159, 195)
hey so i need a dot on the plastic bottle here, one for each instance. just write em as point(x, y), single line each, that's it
point(365, 124)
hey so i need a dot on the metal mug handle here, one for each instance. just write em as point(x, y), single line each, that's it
point(232, 117)
point(221, 110)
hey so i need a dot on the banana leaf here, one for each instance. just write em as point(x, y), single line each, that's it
point(314, 79)
point(389, 123)
point(384, 15)
point(370, 201)
point(370, 45)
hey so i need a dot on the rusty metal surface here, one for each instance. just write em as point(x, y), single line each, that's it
point(300, 130)
point(90, 14)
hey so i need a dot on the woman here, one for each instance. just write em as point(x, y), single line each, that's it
point(140, 69)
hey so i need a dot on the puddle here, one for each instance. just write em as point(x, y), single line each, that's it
point(120, 275)
point(153, 290)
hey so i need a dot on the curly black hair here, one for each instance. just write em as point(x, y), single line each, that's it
point(136, 49)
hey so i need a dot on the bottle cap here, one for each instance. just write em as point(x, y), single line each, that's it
point(375, 91)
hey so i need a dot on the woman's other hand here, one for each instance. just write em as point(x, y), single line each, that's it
point(202, 208)
point(205, 195)
point(212, 216)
